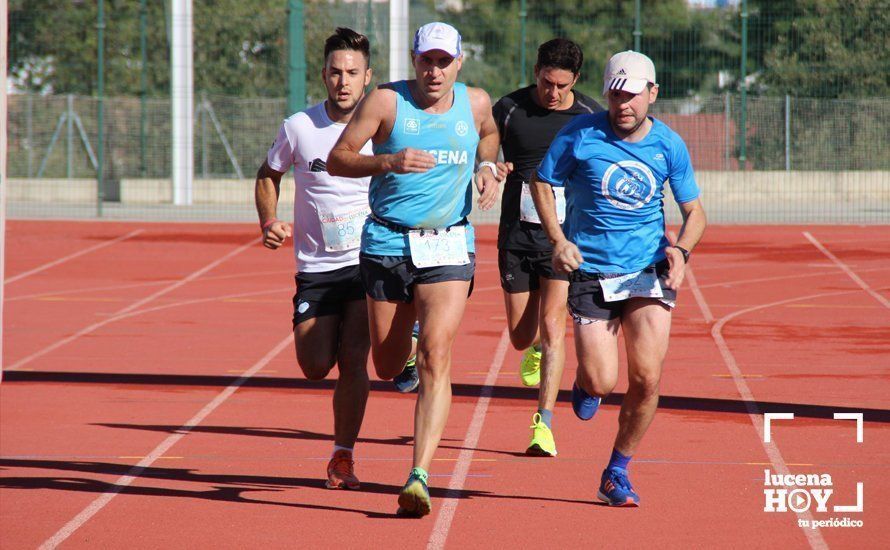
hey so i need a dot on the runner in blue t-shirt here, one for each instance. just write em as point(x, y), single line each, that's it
point(623, 271)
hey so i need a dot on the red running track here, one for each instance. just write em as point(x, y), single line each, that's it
point(150, 398)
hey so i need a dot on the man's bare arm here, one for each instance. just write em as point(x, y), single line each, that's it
point(266, 192)
point(566, 256)
point(375, 113)
point(694, 223)
point(487, 151)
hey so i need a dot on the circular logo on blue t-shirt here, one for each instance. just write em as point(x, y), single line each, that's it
point(628, 184)
point(461, 128)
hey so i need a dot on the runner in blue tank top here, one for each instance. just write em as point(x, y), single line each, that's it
point(623, 272)
point(417, 255)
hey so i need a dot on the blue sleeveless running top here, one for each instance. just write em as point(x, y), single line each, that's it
point(438, 198)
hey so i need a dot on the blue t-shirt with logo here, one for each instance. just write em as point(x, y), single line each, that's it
point(614, 190)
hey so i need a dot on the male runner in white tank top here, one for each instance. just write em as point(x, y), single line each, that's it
point(329, 213)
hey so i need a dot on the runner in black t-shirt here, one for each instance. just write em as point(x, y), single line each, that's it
point(535, 295)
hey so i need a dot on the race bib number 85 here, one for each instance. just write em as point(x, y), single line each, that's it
point(343, 231)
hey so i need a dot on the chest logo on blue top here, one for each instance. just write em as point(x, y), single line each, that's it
point(628, 184)
point(412, 126)
point(461, 128)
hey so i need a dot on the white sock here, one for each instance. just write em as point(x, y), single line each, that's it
point(339, 448)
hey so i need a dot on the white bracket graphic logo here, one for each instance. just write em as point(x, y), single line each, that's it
point(769, 417)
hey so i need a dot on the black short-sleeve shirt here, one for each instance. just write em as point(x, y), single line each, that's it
point(526, 131)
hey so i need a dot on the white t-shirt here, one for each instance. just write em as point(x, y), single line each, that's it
point(329, 211)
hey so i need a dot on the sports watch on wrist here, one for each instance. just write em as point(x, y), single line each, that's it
point(684, 252)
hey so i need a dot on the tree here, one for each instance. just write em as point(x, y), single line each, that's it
point(826, 48)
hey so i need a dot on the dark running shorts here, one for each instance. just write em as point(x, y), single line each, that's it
point(586, 302)
point(392, 278)
point(326, 292)
point(522, 271)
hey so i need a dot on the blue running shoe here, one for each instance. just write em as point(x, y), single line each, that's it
point(583, 403)
point(616, 490)
point(408, 380)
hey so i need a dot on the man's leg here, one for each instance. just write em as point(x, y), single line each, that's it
point(522, 318)
point(596, 344)
point(554, 294)
point(440, 307)
point(351, 391)
point(520, 298)
point(390, 325)
point(646, 324)
point(317, 343)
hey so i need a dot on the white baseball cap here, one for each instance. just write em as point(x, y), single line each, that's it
point(437, 36)
point(629, 71)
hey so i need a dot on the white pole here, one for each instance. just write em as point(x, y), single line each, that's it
point(182, 99)
point(3, 180)
point(399, 34)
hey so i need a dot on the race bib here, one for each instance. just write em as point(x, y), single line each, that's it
point(430, 247)
point(528, 212)
point(643, 284)
point(343, 231)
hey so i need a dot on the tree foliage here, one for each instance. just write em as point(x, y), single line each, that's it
point(802, 47)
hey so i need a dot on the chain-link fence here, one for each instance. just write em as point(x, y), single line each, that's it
point(802, 134)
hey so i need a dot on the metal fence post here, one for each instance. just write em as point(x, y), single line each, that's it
point(637, 32)
point(523, 13)
point(787, 132)
point(143, 85)
point(296, 59)
point(70, 151)
point(100, 167)
point(30, 129)
point(743, 137)
point(727, 129)
point(202, 112)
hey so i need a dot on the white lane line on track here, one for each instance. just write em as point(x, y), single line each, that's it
point(699, 297)
point(69, 257)
point(126, 480)
point(729, 284)
point(439, 535)
point(813, 535)
point(146, 284)
point(87, 330)
point(846, 269)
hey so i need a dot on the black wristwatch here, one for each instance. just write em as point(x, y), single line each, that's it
point(684, 252)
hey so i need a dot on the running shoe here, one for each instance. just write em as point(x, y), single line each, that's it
point(584, 404)
point(530, 367)
point(542, 439)
point(408, 380)
point(616, 490)
point(414, 498)
point(340, 471)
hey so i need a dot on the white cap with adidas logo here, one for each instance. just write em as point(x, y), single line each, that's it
point(629, 71)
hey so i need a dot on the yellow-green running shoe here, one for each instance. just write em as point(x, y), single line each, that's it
point(530, 367)
point(542, 439)
point(414, 498)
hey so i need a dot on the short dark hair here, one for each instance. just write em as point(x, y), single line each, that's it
point(347, 39)
point(560, 53)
